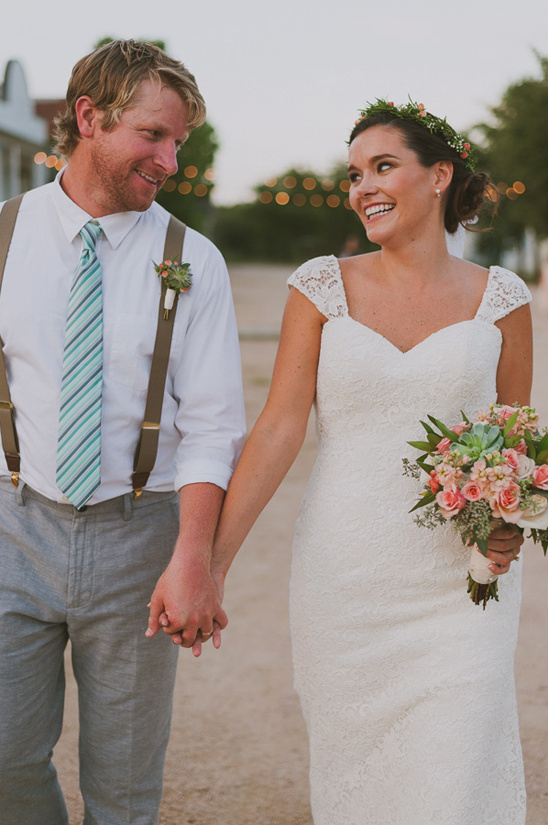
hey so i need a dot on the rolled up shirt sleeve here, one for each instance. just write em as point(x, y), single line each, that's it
point(207, 382)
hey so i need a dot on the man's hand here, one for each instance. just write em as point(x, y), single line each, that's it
point(186, 603)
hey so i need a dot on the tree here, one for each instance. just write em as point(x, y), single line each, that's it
point(516, 153)
point(296, 215)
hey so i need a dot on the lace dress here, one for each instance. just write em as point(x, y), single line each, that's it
point(407, 687)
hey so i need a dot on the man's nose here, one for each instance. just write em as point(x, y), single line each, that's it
point(167, 157)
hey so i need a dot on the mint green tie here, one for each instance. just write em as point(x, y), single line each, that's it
point(79, 444)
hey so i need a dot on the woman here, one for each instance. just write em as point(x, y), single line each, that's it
point(406, 686)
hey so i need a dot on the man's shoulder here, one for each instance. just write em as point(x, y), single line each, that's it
point(34, 196)
point(196, 244)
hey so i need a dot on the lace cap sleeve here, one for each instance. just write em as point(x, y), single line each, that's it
point(320, 280)
point(505, 292)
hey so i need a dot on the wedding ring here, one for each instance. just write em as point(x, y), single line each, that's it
point(206, 635)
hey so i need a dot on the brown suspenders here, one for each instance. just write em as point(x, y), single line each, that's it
point(147, 444)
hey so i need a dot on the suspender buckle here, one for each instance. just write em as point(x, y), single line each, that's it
point(138, 493)
point(151, 425)
point(15, 479)
point(6, 405)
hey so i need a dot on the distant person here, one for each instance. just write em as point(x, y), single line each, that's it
point(81, 552)
point(407, 687)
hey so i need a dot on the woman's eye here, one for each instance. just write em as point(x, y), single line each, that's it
point(353, 177)
point(382, 167)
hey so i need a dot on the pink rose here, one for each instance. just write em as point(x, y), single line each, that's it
point(443, 446)
point(506, 411)
point(450, 501)
point(521, 448)
point(472, 491)
point(511, 457)
point(508, 501)
point(540, 477)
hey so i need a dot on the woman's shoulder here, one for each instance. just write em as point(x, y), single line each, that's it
point(320, 268)
point(319, 279)
point(505, 292)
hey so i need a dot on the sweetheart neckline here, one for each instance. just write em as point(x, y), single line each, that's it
point(415, 346)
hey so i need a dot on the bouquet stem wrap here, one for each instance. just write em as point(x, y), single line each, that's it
point(482, 582)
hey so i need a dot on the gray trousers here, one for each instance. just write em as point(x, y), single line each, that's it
point(85, 576)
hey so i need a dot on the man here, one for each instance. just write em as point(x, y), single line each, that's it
point(81, 554)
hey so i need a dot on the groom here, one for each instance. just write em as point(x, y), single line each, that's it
point(80, 553)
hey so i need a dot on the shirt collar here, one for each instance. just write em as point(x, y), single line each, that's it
point(73, 217)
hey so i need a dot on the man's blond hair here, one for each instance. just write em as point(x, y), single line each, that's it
point(112, 75)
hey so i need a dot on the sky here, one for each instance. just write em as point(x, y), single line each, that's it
point(283, 80)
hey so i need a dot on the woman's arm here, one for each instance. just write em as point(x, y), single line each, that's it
point(515, 370)
point(278, 434)
point(514, 378)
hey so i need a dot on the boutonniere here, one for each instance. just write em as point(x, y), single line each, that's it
point(177, 277)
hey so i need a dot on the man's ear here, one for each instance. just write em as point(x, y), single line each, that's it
point(87, 116)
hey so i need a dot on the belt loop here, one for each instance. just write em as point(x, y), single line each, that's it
point(127, 506)
point(19, 497)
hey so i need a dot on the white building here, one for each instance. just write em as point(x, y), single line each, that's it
point(22, 135)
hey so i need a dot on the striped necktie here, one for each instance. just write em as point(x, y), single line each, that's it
point(79, 444)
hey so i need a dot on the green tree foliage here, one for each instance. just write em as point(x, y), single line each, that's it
point(187, 194)
point(295, 216)
point(516, 153)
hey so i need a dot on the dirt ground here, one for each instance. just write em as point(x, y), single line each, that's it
point(238, 751)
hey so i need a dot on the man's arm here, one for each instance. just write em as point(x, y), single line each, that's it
point(185, 599)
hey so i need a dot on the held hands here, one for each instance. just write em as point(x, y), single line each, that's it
point(504, 544)
point(186, 605)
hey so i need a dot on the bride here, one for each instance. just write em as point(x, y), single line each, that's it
point(406, 686)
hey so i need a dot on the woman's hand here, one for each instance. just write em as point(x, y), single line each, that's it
point(503, 546)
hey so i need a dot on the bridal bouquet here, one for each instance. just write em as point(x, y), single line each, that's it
point(480, 474)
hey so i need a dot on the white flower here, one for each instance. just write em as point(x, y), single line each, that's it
point(537, 515)
point(525, 468)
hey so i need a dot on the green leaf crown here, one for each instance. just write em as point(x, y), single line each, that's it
point(435, 125)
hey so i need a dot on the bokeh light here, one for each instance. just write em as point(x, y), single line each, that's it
point(191, 171)
point(282, 198)
point(316, 200)
point(333, 201)
point(309, 183)
point(169, 185)
point(266, 197)
point(344, 186)
point(299, 199)
point(519, 187)
point(201, 190)
point(290, 182)
point(185, 187)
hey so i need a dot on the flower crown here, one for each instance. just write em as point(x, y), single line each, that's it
point(417, 112)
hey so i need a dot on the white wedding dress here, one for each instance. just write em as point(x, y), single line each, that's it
point(406, 686)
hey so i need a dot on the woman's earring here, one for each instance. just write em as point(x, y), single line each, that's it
point(438, 193)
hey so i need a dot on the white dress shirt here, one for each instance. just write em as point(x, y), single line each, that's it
point(202, 426)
